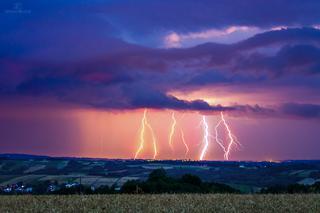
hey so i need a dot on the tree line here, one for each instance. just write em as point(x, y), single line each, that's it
point(159, 182)
point(292, 189)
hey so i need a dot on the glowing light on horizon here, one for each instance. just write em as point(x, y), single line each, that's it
point(232, 138)
point(173, 127)
point(205, 137)
point(184, 143)
point(144, 122)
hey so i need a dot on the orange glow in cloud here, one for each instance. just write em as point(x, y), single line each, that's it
point(212, 98)
point(228, 96)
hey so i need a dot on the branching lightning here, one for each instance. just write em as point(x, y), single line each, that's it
point(172, 132)
point(144, 122)
point(154, 141)
point(141, 134)
point(227, 148)
point(184, 143)
point(218, 141)
point(232, 138)
point(205, 137)
point(173, 128)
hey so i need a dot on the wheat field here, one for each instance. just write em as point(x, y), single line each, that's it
point(162, 203)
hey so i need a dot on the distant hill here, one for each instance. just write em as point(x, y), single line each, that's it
point(247, 176)
point(22, 156)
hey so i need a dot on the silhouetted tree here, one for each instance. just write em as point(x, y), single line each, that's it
point(191, 179)
point(159, 182)
point(158, 174)
point(131, 186)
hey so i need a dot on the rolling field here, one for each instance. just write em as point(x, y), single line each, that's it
point(248, 177)
point(162, 203)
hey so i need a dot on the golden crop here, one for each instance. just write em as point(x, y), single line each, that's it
point(162, 203)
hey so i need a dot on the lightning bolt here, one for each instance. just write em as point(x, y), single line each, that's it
point(232, 138)
point(205, 137)
point(173, 127)
point(154, 141)
point(144, 122)
point(184, 143)
point(218, 141)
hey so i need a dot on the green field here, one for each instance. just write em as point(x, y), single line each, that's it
point(248, 177)
point(162, 203)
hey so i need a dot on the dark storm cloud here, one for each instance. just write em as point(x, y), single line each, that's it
point(79, 52)
point(143, 17)
point(207, 78)
point(286, 110)
point(289, 59)
point(180, 15)
point(140, 97)
point(133, 76)
point(301, 110)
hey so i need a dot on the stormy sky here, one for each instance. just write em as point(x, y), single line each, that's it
point(252, 60)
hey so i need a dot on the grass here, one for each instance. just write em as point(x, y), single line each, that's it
point(162, 203)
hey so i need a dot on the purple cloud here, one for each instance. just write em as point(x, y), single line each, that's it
point(79, 53)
